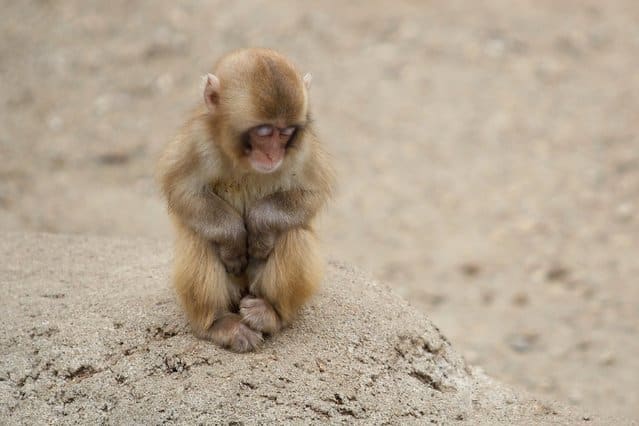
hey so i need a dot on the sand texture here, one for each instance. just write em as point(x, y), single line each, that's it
point(487, 155)
point(91, 333)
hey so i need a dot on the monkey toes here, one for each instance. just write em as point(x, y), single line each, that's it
point(259, 315)
point(245, 339)
point(230, 332)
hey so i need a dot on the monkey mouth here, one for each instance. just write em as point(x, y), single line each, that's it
point(266, 167)
point(265, 158)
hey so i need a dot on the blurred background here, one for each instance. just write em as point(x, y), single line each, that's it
point(487, 151)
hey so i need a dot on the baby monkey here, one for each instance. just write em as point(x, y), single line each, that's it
point(244, 180)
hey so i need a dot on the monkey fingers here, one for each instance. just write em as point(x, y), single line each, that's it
point(259, 315)
point(260, 244)
point(234, 260)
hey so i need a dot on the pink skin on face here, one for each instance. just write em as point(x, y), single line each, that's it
point(268, 147)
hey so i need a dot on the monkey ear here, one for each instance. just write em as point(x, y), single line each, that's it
point(211, 92)
point(307, 80)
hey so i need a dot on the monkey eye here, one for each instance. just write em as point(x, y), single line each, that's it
point(264, 130)
point(267, 130)
point(288, 131)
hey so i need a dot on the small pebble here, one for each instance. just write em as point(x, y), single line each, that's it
point(55, 122)
point(557, 273)
point(520, 299)
point(470, 269)
point(624, 211)
point(523, 342)
point(608, 359)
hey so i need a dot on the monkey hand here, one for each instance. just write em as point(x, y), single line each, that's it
point(262, 230)
point(233, 254)
point(260, 244)
point(234, 260)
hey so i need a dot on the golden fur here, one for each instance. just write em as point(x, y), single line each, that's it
point(210, 192)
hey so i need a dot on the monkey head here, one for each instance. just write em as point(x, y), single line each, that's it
point(258, 104)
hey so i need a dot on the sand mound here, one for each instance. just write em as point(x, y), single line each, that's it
point(91, 332)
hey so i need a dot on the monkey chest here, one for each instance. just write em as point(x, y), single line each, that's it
point(241, 195)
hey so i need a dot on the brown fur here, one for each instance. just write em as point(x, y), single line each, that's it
point(246, 255)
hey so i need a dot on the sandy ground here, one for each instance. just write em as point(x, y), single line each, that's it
point(90, 338)
point(488, 155)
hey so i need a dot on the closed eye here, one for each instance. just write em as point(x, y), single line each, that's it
point(264, 130)
point(288, 131)
point(267, 130)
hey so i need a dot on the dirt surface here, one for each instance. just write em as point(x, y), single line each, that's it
point(488, 155)
point(85, 341)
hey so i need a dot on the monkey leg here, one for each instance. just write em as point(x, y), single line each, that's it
point(209, 294)
point(280, 285)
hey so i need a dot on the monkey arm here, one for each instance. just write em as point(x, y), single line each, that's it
point(214, 219)
point(277, 213)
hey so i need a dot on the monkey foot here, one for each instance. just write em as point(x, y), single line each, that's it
point(259, 315)
point(245, 339)
point(230, 332)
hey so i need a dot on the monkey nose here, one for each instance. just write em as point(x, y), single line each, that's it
point(275, 137)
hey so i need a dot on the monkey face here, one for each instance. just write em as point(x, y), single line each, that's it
point(258, 104)
point(265, 146)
